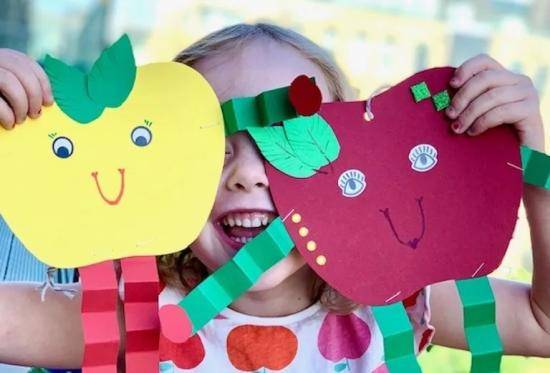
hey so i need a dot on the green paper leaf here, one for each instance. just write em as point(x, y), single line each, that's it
point(313, 139)
point(275, 147)
point(69, 86)
point(113, 75)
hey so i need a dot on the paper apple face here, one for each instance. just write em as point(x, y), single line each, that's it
point(111, 182)
point(407, 203)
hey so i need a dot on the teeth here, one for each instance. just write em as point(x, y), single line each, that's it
point(247, 220)
point(256, 222)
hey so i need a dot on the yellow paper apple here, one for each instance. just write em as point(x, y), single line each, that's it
point(126, 163)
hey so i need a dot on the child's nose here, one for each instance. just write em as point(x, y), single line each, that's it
point(248, 175)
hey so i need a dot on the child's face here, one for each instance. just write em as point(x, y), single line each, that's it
point(243, 205)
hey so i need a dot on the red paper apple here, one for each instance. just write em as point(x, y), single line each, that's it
point(187, 355)
point(407, 202)
point(252, 347)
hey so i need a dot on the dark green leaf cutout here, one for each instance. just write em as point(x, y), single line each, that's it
point(113, 75)
point(313, 139)
point(275, 147)
point(69, 86)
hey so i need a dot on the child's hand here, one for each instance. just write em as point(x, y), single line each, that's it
point(489, 95)
point(24, 88)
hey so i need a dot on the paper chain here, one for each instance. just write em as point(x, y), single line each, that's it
point(478, 304)
point(536, 167)
point(397, 332)
point(270, 107)
point(238, 275)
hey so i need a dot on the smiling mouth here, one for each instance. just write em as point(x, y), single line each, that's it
point(414, 242)
point(115, 201)
point(239, 228)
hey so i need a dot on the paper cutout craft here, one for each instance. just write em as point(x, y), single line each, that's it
point(536, 167)
point(418, 220)
point(229, 282)
point(478, 303)
point(299, 148)
point(111, 171)
point(271, 107)
point(420, 91)
point(441, 100)
point(397, 332)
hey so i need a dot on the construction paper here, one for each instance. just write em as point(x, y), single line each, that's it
point(305, 96)
point(141, 289)
point(99, 317)
point(123, 184)
point(420, 91)
point(227, 283)
point(397, 332)
point(536, 167)
point(270, 107)
point(70, 88)
point(478, 304)
point(407, 202)
point(112, 76)
point(300, 147)
point(441, 100)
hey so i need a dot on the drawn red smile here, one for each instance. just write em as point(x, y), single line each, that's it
point(115, 201)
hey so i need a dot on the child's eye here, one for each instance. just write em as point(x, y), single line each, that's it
point(63, 147)
point(423, 157)
point(352, 183)
point(141, 136)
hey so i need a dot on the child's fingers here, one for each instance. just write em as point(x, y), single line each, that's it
point(476, 86)
point(47, 95)
point(14, 94)
point(23, 72)
point(507, 113)
point(472, 67)
point(492, 98)
point(7, 117)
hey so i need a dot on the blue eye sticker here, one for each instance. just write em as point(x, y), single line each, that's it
point(141, 136)
point(63, 147)
point(423, 157)
point(352, 183)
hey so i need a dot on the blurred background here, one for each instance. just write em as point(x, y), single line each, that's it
point(376, 43)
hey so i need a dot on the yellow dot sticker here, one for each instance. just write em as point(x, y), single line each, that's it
point(303, 231)
point(311, 245)
point(321, 260)
point(296, 218)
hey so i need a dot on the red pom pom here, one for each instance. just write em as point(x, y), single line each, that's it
point(305, 96)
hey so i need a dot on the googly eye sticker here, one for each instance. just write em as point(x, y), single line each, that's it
point(423, 157)
point(352, 182)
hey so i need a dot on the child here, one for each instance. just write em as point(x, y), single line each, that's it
point(290, 320)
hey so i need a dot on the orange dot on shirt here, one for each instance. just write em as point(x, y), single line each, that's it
point(311, 245)
point(296, 218)
point(303, 231)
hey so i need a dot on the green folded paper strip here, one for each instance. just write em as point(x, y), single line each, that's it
point(478, 304)
point(264, 110)
point(397, 332)
point(238, 275)
point(536, 167)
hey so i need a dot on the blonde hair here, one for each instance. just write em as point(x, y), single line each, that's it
point(183, 269)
